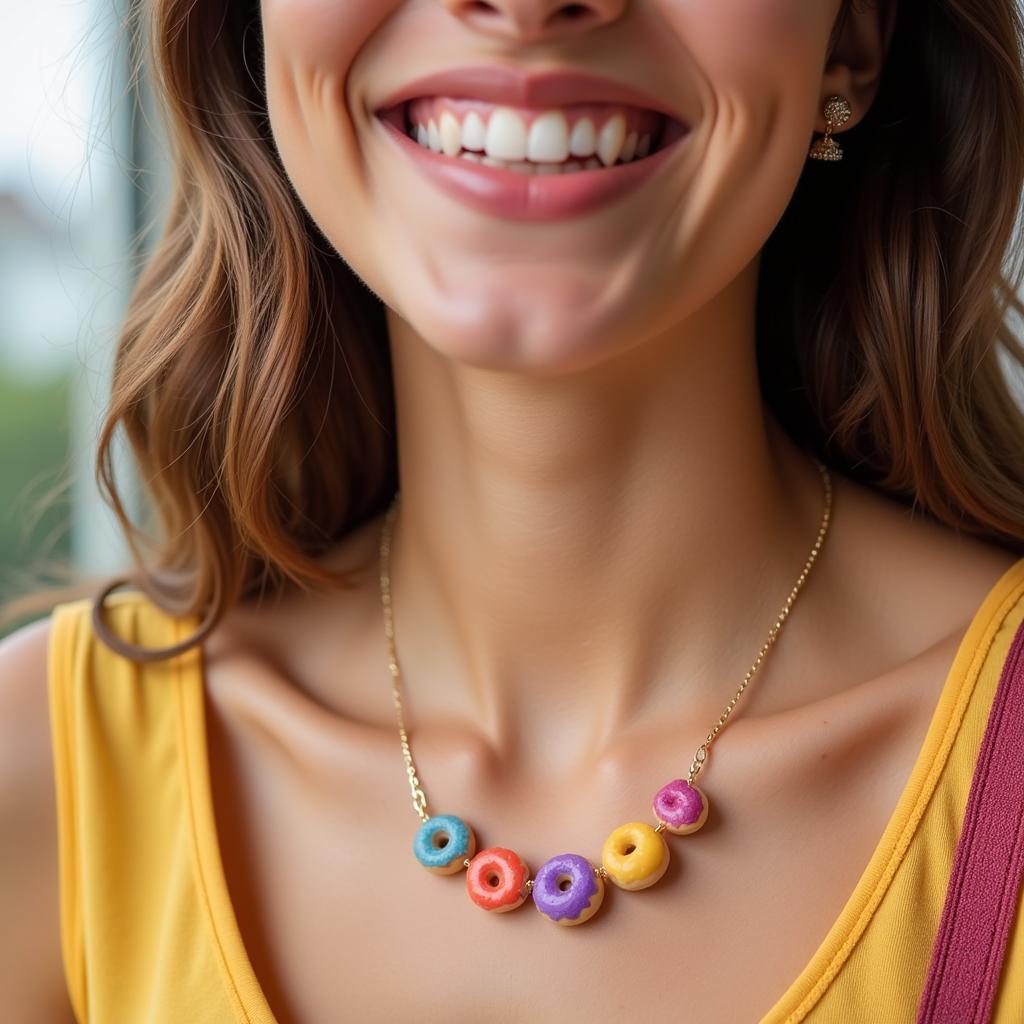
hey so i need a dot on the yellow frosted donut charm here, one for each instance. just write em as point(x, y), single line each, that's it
point(635, 855)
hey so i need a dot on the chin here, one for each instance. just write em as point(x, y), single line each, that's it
point(545, 320)
point(512, 332)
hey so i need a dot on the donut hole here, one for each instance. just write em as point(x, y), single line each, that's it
point(564, 883)
point(629, 848)
point(440, 840)
point(493, 880)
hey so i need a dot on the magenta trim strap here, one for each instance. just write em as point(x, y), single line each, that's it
point(985, 880)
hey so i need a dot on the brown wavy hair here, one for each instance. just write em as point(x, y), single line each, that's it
point(252, 375)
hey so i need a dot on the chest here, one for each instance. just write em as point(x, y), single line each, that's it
point(340, 921)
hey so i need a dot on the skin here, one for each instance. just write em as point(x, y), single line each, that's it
point(622, 521)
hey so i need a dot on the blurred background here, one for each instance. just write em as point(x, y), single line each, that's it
point(79, 179)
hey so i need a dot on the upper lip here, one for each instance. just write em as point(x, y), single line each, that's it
point(514, 87)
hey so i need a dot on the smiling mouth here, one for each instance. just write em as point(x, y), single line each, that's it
point(569, 139)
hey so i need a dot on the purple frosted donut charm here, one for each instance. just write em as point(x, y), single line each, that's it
point(568, 889)
point(682, 806)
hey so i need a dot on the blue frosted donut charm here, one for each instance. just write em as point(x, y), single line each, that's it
point(442, 844)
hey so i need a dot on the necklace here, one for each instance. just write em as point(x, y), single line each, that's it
point(568, 888)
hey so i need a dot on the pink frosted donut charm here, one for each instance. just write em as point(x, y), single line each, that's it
point(682, 806)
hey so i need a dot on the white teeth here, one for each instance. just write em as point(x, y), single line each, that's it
point(583, 140)
point(504, 141)
point(549, 138)
point(451, 134)
point(609, 142)
point(474, 133)
point(506, 135)
point(433, 136)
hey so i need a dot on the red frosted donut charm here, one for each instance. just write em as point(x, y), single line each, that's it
point(496, 879)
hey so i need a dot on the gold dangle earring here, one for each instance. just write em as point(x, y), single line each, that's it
point(837, 112)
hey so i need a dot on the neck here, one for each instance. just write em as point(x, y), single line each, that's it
point(608, 544)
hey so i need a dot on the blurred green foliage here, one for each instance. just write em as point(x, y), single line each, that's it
point(34, 456)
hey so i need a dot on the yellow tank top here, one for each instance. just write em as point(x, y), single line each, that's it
point(148, 932)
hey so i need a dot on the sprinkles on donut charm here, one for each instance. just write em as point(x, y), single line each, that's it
point(568, 889)
point(682, 806)
point(496, 880)
point(635, 855)
point(442, 844)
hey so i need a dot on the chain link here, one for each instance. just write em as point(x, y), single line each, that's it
point(701, 755)
point(419, 799)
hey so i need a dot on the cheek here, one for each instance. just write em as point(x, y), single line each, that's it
point(311, 50)
point(751, 56)
point(763, 34)
point(311, 47)
point(321, 33)
point(751, 31)
point(752, 69)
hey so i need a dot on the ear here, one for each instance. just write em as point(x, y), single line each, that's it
point(854, 68)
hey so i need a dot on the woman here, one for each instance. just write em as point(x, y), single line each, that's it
point(708, 468)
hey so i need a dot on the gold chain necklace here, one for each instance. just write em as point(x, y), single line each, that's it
point(568, 888)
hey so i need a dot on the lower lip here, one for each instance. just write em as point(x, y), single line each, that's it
point(530, 197)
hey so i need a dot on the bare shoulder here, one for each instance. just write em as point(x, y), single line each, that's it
point(31, 971)
point(910, 583)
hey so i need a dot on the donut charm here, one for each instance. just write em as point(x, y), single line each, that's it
point(442, 844)
point(682, 806)
point(567, 889)
point(635, 855)
point(496, 880)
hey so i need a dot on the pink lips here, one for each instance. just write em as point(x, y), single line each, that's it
point(516, 88)
point(511, 194)
point(530, 197)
